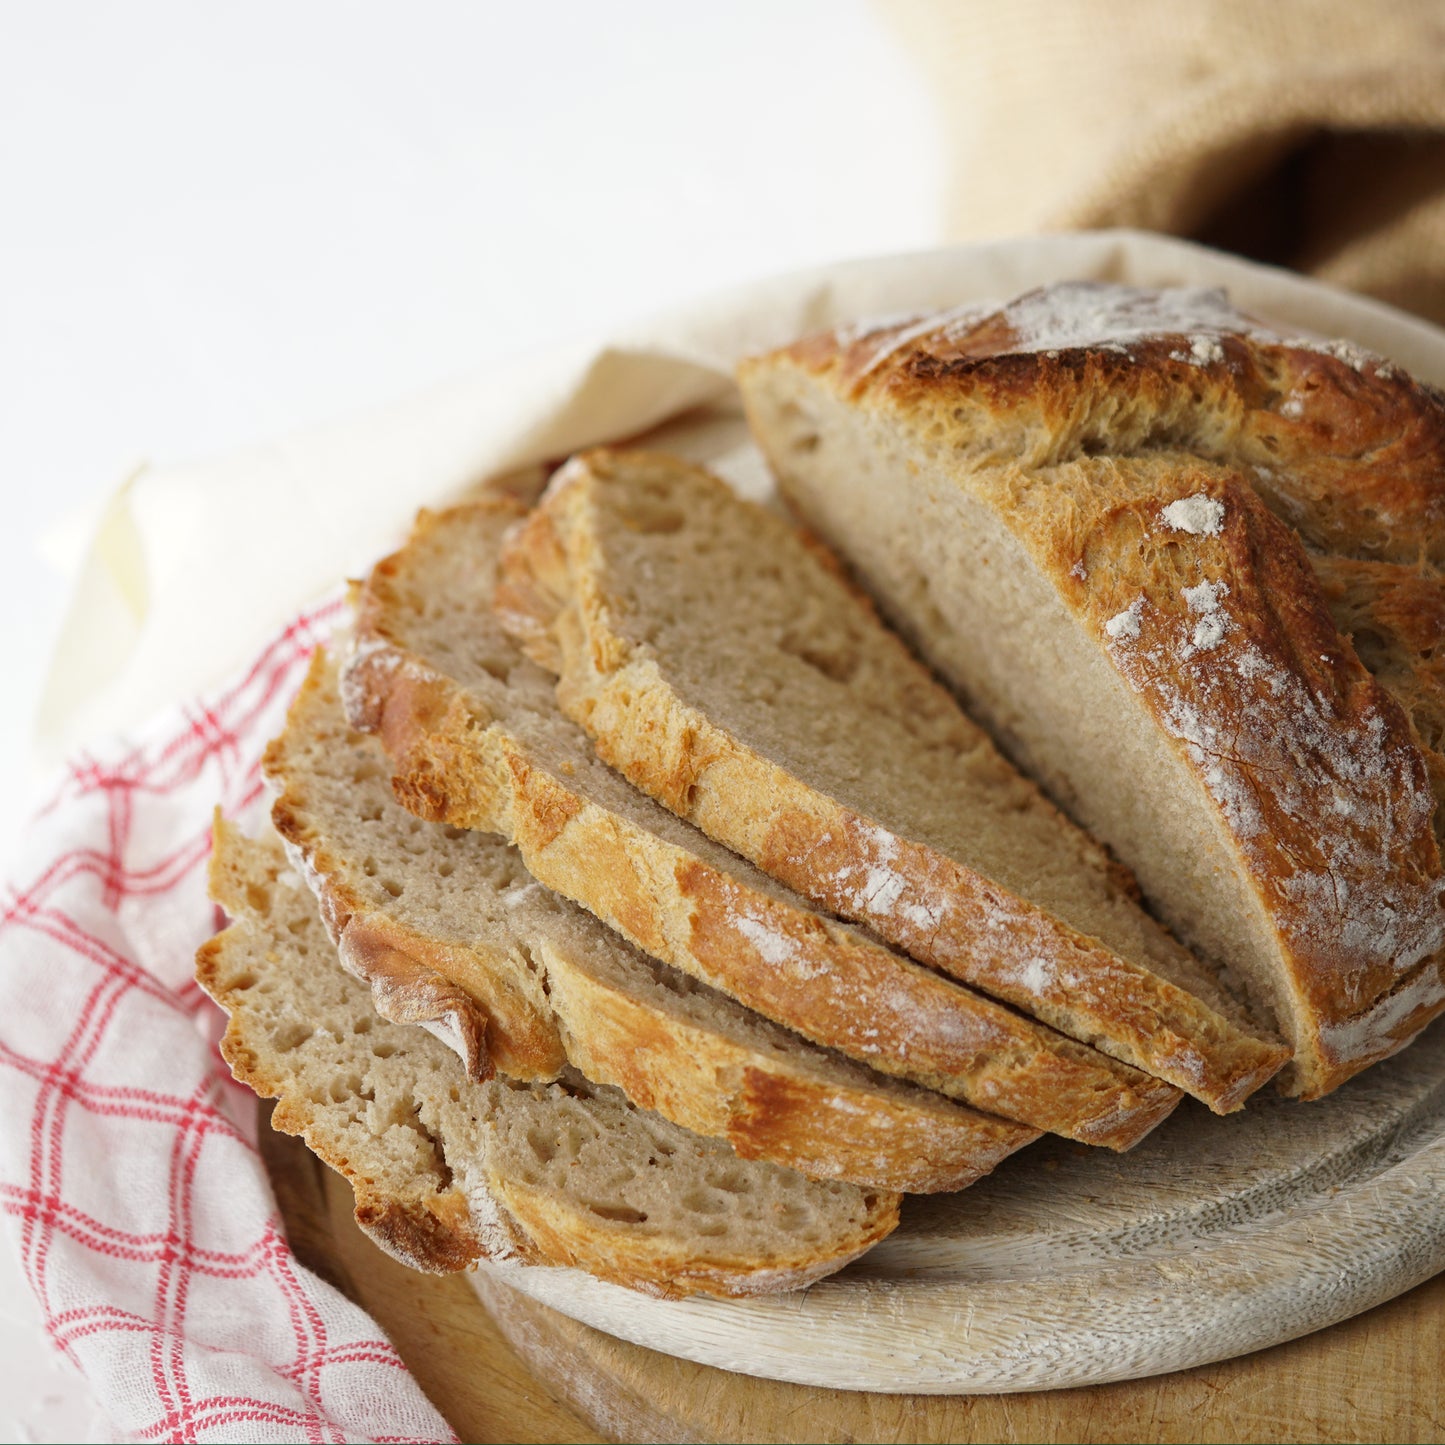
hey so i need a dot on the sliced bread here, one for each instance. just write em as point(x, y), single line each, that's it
point(723, 664)
point(475, 739)
point(1093, 512)
point(447, 1170)
point(425, 912)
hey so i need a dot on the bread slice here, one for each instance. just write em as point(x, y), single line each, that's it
point(445, 922)
point(724, 666)
point(1089, 510)
point(476, 740)
point(448, 1171)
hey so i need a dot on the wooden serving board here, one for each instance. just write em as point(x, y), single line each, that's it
point(1211, 1240)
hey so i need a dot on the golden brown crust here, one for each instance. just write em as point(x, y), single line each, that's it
point(941, 911)
point(1353, 448)
point(1081, 427)
point(456, 760)
point(1300, 698)
point(1394, 615)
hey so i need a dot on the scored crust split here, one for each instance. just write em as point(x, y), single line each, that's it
point(723, 665)
point(442, 921)
point(448, 1170)
point(1117, 522)
point(476, 740)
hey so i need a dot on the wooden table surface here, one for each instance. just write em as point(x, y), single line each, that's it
point(516, 1370)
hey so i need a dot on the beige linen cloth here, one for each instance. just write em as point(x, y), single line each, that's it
point(1305, 133)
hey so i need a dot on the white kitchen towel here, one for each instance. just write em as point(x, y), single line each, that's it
point(129, 1178)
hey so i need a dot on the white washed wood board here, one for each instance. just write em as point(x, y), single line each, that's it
point(1073, 1266)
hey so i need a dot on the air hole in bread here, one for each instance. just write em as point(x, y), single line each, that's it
point(258, 898)
point(543, 1146)
point(835, 663)
point(620, 1213)
point(733, 1181)
point(701, 1202)
point(243, 981)
point(1372, 648)
point(792, 1217)
point(290, 1037)
point(653, 518)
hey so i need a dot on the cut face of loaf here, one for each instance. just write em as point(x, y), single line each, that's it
point(451, 931)
point(723, 664)
point(476, 740)
point(448, 1171)
point(1097, 513)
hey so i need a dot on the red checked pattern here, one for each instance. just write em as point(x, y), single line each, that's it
point(144, 1220)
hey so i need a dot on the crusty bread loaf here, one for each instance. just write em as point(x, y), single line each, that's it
point(447, 1170)
point(444, 923)
point(1090, 510)
point(475, 739)
point(721, 663)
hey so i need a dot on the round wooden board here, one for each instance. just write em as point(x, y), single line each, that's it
point(524, 1372)
point(1073, 1266)
point(527, 1372)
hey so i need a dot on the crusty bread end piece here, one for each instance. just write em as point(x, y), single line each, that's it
point(1096, 511)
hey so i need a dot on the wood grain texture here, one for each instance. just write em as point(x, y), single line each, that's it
point(1373, 1378)
point(525, 1372)
point(1061, 1213)
point(1071, 1266)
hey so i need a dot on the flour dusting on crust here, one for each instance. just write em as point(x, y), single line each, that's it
point(1199, 515)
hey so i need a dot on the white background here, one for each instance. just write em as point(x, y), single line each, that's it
point(220, 223)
